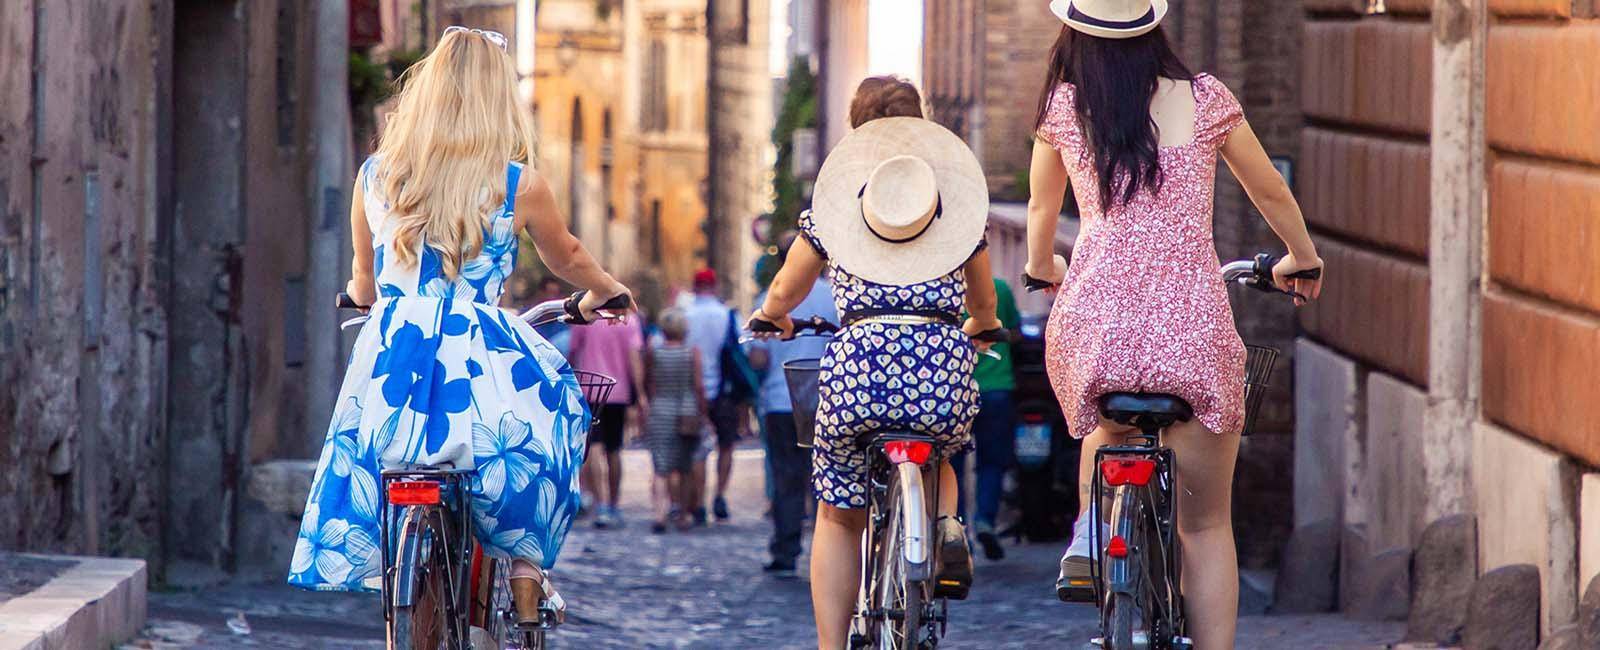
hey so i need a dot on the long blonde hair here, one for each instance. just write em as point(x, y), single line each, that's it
point(444, 150)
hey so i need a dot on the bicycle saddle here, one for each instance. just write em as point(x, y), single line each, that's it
point(1145, 410)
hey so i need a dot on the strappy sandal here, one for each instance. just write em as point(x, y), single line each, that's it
point(534, 596)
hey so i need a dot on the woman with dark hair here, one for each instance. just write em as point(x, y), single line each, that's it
point(1143, 307)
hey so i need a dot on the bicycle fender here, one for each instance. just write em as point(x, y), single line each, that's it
point(407, 558)
point(1121, 574)
point(914, 521)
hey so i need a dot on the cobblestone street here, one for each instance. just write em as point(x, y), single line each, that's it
point(701, 589)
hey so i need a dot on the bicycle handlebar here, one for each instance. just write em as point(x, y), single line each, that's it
point(544, 313)
point(1255, 273)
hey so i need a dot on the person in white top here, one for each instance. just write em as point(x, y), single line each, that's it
point(709, 327)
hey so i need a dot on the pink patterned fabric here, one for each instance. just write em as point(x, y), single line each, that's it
point(1143, 307)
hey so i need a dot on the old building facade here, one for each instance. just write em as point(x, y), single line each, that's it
point(159, 206)
point(742, 153)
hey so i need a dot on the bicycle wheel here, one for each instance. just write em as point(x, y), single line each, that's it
point(1126, 614)
point(503, 615)
point(899, 598)
point(418, 618)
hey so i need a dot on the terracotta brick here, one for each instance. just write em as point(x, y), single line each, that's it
point(1374, 307)
point(1374, 72)
point(1538, 370)
point(1408, 6)
point(1366, 187)
point(1543, 82)
point(1354, 7)
point(1544, 231)
point(1547, 8)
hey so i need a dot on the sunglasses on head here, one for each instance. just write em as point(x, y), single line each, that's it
point(492, 36)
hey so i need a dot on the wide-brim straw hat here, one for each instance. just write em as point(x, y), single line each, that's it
point(1110, 18)
point(900, 200)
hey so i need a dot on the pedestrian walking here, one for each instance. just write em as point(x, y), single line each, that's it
point(1141, 308)
point(440, 375)
point(728, 381)
point(994, 431)
point(615, 351)
point(788, 464)
point(898, 220)
point(674, 426)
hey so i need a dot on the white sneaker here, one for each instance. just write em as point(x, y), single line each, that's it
point(1073, 584)
point(1082, 546)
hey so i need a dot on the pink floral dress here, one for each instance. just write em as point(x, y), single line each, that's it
point(1143, 307)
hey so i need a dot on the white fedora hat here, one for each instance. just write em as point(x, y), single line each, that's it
point(900, 200)
point(1110, 18)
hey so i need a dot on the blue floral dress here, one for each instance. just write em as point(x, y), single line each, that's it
point(879, 377)
point(441, 376)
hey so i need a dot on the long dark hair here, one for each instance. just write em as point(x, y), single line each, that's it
point(1115, 80)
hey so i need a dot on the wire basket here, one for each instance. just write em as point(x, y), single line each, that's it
point(801, 375)
point(596, 388)
point(1258, 364)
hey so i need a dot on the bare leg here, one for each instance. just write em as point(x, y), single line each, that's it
point(662, 495)
point(949, 491)
point(589, 477)
point(695, 495)
point(1108, 433)
point(724, 468)
point(835, 571)
point(613, 477)
point(1205, 526)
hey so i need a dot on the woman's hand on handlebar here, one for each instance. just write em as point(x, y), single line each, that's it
point(363, 292)
point(973, 327)
point(591, 304)
point(763, 326)
point(1291, 274)
point(1053, 273)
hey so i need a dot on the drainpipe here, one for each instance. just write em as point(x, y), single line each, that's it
point(329, 209)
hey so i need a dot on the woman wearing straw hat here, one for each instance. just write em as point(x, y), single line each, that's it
point(898, 218)
point(1143, 307)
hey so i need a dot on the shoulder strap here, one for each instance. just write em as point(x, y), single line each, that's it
point(513, 180)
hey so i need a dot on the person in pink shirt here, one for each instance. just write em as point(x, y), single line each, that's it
point(615, 351)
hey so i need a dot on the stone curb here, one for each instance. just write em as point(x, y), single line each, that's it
point(97, 603)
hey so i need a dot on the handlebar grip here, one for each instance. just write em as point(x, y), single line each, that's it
point(1034, 285)
point(760, 326)
point(619, 303)
point(817, 324)
point(1266, 261)
point(996, 335)
point(344, 301)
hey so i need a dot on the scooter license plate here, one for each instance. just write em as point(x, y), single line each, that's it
point(1033, 444)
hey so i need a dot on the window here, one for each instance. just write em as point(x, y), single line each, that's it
point(655, 231)
point(732, 21)
point(575, 162)
point(655, 87)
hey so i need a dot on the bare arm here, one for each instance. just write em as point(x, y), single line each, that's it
point(1270, 194)
point(791, 286)
point(699, 384)
point(560, 251)
point(362, 286)
point(981, 299)
point(1047, 186)
point(636, 367)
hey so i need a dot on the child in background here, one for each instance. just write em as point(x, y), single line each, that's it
point(673, 427)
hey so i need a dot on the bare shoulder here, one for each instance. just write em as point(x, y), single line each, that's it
point(533, 195)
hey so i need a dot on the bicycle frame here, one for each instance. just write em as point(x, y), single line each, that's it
point(1145, 483)
point(898, 459)
point(402, 558)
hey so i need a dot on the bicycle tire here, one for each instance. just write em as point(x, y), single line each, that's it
point(896, 591)
point(1122, 607)
point(1120, 613)
point(423, 623)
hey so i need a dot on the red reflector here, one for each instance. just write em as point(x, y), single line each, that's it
point(1117, 548)
point(414, 493)
point(1127, 471)
point(908, 451)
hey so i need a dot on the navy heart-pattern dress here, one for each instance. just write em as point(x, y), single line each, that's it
point(878, 377)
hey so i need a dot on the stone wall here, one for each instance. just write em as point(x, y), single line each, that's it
point(741, 153)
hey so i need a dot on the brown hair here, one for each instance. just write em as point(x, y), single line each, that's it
point(886, 96)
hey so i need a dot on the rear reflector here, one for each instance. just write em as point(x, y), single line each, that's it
point(908, 451)
point(1127, 471)
point(1117, 548)
point(414, 493)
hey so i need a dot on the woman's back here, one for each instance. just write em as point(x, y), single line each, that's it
point(480, 279)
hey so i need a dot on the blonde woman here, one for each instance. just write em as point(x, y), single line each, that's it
point(440, 375)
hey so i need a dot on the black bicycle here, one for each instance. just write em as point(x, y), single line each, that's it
point(1137, 582)
point(900, 604)
point(439, 589)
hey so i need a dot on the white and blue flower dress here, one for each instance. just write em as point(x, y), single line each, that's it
point(441, 376)
point(880, 377)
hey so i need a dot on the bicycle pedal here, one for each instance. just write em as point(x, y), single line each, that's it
point(1075, 590)
point(951, 588)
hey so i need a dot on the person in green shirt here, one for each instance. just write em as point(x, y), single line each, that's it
point(994, 430)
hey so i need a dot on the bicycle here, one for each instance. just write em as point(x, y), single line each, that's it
point(1137, 581)
point(438, 588)
point(899, 603)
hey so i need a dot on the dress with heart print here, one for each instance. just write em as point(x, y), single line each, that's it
point(879, 377)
